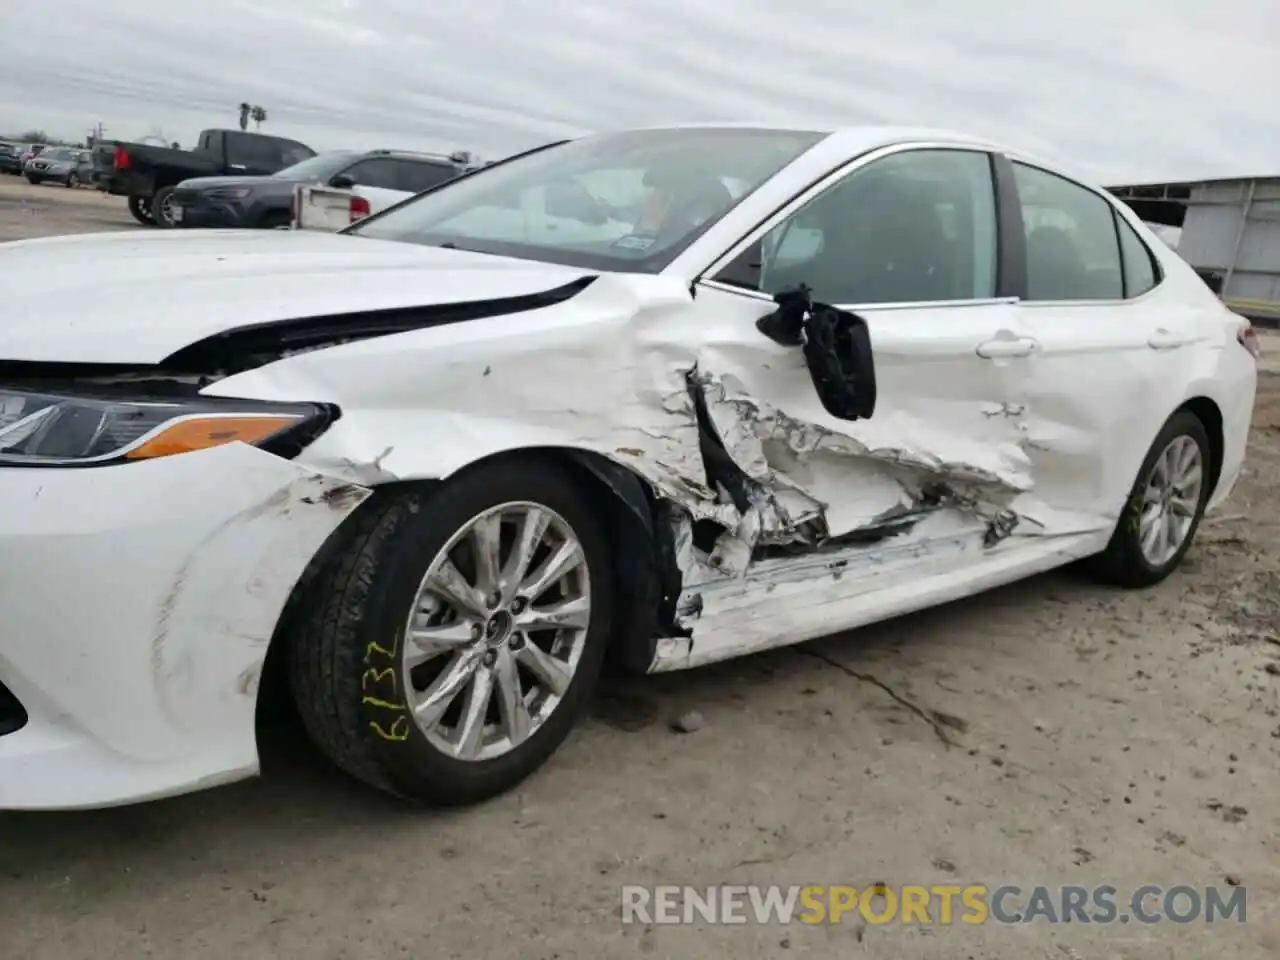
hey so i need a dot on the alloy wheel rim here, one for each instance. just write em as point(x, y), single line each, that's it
point(497, 631)
point(1170, 500)
point(166, 209)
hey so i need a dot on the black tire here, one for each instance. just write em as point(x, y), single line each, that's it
point(32, 180)
point(352, 617)
point(1123, 563)
point(158, 200)
point(72, 181)
point(275, 220)
point(140, 208)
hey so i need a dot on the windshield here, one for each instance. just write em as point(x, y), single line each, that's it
point(621, 201)
point(320, 167)
point(60, 154)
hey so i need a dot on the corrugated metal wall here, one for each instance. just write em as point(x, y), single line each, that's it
point(1233, 228)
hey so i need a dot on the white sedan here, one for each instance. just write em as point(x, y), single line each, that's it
point(438, 472)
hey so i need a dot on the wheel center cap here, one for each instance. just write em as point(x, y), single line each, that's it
point(498, 629)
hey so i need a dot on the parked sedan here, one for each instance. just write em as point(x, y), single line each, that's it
point(64, 165)
point(439, 466)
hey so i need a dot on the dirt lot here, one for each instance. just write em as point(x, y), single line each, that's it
point(48, 209)
point(1100, 737)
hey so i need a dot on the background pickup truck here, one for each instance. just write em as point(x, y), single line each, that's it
point(147, 174)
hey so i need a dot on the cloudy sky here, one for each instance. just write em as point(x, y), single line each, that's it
point(1123, 89)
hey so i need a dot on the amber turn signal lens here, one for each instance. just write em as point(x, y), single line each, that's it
point(199, 433)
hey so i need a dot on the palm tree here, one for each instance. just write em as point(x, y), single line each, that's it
point(245, 110)
point(259, 115)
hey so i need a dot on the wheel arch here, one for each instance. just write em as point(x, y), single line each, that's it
point(647, 580)
point(1210, 416)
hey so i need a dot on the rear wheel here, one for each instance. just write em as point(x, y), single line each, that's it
point(140, 207)
point(1164, 509)
point(447, 649)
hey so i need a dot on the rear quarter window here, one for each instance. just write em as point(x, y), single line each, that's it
point(1141, 271)
point(416, 177)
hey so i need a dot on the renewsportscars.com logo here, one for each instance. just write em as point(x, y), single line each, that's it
point(931, 905)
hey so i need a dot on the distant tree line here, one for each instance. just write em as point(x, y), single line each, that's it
point(40, 136)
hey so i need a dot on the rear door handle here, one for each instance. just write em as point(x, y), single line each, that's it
point(1163, 339)
point(1012, 347)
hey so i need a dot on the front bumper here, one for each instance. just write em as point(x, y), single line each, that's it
point(126, 184)
point(136, 606)
point(200, 211)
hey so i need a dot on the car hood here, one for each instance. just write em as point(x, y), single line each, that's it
point(212, 183)
point(136, 297)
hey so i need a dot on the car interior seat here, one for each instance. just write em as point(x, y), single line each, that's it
point(1055, 269)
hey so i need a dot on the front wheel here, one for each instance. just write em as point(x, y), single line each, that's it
point(73, 181)
point(446, 649)
point(162, 209)
point(32, 180)
point(1164, 508)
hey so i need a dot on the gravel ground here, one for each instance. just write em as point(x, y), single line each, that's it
point(1092, 737)
point(45, 210)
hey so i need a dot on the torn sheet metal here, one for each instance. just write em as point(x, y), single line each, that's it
point(637, 369)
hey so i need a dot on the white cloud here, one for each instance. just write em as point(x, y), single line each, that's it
point(1125, 89)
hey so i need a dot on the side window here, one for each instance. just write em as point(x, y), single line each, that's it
point(1072, 249)
point(253, 151)
point(913, 227)
point(292, 153)
point(416, 176)
point(1140, 271)
point(380, 172)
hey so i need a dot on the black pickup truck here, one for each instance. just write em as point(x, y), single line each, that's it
point(147, 174)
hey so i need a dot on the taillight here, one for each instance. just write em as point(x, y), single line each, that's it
point(122, 158)
point(1248, 337)
point(358, 208)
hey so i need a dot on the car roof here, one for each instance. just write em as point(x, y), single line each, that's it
point(441, 159)
point(840, 142)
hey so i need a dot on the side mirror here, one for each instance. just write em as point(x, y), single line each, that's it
point(343, 181)
point(837, 351)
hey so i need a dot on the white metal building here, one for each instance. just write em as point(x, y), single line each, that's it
point(1230, 232)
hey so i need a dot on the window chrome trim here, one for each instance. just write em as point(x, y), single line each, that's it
point(866, 307)
point(846, 169)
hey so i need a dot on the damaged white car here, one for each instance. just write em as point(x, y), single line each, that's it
point(775, 384)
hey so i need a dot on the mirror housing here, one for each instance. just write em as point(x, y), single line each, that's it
point(837, 351)
point(342, 181)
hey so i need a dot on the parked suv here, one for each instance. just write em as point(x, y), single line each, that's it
point(11, 157)
point(265, 202)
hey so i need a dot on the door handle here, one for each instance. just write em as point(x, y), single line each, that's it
point(1011, 347)
point(1163, 339)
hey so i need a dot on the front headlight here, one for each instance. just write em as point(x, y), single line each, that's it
point(228, 193)
point(46, 429)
